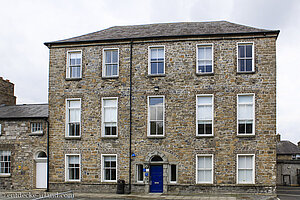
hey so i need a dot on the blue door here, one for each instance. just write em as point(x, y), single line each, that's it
point(156, 181)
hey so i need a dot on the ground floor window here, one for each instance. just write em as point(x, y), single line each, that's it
point(140, 173)
point(72, 167)
point(5, 162)
point(109, 168)
point(204, 168)
point(245, 170)
point(173, 173)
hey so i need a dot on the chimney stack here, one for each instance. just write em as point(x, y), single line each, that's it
point(278, 138)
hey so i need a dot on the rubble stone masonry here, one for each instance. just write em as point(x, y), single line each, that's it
point(7, 92)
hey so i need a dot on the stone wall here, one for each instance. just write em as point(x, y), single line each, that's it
point(16, 137)
point(7, 92)
point(180, 85)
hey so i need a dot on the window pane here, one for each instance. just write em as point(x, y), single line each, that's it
point(245, 112)
point(201, 69)
point(208, 68)
point(73, 159)
point(205, 100)
point(110, 115)
point(173, 173)
point(154, 67)
point(204, 112)
point(159, 113)
point(208, 128)
point(160, 53)
point(153, 113)
point(242, 176)
point(241, 65)
point(74, 104)
point(249, 51)
point(140, 173)
point(249, 175)
point(249, 161)
point(201, 176)
point(207, 175)
point(110, 102)
point(160, 68)
point(115, 70)
point(245, 98)
point(241, 53)
point(200, 128)
point(115, 56)
point(242, 128)
point(107, 174)
point(208, 53)
point(159, 128)
point(156, 101)
point(152, 128)
point(249, 128)
point(108, 70)
point(201, 53)
point(107, 57)
point(74, 115)
point(248, 65)
point(201, 164)
point(154, 53)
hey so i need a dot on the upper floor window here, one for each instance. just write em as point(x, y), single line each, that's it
point(73, 167)
point(74, 64)
point(204, 168)
point(156, 60)
point(204, 58)
point(245, 57)
point(5, 162)
point(246, 114)
point(245, 171)
point(73, 117)
point(110, 115)
point(204, 115)
point(109, 168)
point(156, 116)
point(36, 127)
point(110, 62)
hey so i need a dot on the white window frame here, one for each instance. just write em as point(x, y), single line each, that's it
point(0, 129)
point(68, 75)
point(148, 121)
point(102, 168)
point(237, 57)
point(253, 114)
point(170, 173)
point(137, 173)
point(212, 104)
point(104, 63)
point(7, 174)
point(32, 126)
point(103, 124)
point(67, 118)
point(149, 59)
point(237, 168)
point(212, 168)
point(212, 59)
point(67, 168)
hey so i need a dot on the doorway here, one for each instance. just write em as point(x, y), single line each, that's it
point(156, 178)
point(41, 170)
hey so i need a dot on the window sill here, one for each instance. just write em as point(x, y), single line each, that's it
point(36, 134)
point(250, 72)
point(204, 136)
point(72, 181)
point(205, 74)
point(172, 183)
point(156, 75)
point(245, 184)
point(73, 79)
point(204, 184)
point(5, 175)
point(110, 77)
point(245, 135)
point(73, 137)
point(155, 137)
point(139, 183)
point(109, 137)
point(111, 182)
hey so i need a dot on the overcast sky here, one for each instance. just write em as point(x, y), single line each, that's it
point(26, 24)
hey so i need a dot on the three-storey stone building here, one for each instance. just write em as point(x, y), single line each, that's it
point(168, 108)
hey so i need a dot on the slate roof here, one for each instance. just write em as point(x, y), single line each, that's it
point(24, 111)
point(180, 29)
point(287, 147)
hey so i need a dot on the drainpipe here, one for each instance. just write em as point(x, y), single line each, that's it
point(130, 117)
point(47, 190)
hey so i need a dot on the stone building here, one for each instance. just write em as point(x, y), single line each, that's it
point(7, 92)
point(288, 163)
point(169, 108)
point(23, 147)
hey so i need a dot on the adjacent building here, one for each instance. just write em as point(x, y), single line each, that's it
point(7, 92)
point(288, 163)
point(169, 108)
point(23, 147)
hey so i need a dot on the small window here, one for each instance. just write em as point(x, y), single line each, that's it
point(111, 62)
point(204, 169)
point(173, 173)
point(156, 159)
point(245, 57)
point(204, 59)
point(109, 168)
point(156, 116)
point(73, 117)
point(41, 154)
point(245, 169)
point(110, 115)
point(140, 173)
point(36, 127)
point(156, 60)
point(246, 114)
point(74, 64)
point(204, 115)
point(72, 167)
point(5, 162)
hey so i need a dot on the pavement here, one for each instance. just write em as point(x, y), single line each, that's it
point(288, 193)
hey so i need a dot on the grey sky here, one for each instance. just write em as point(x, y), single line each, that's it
point(27, 24)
